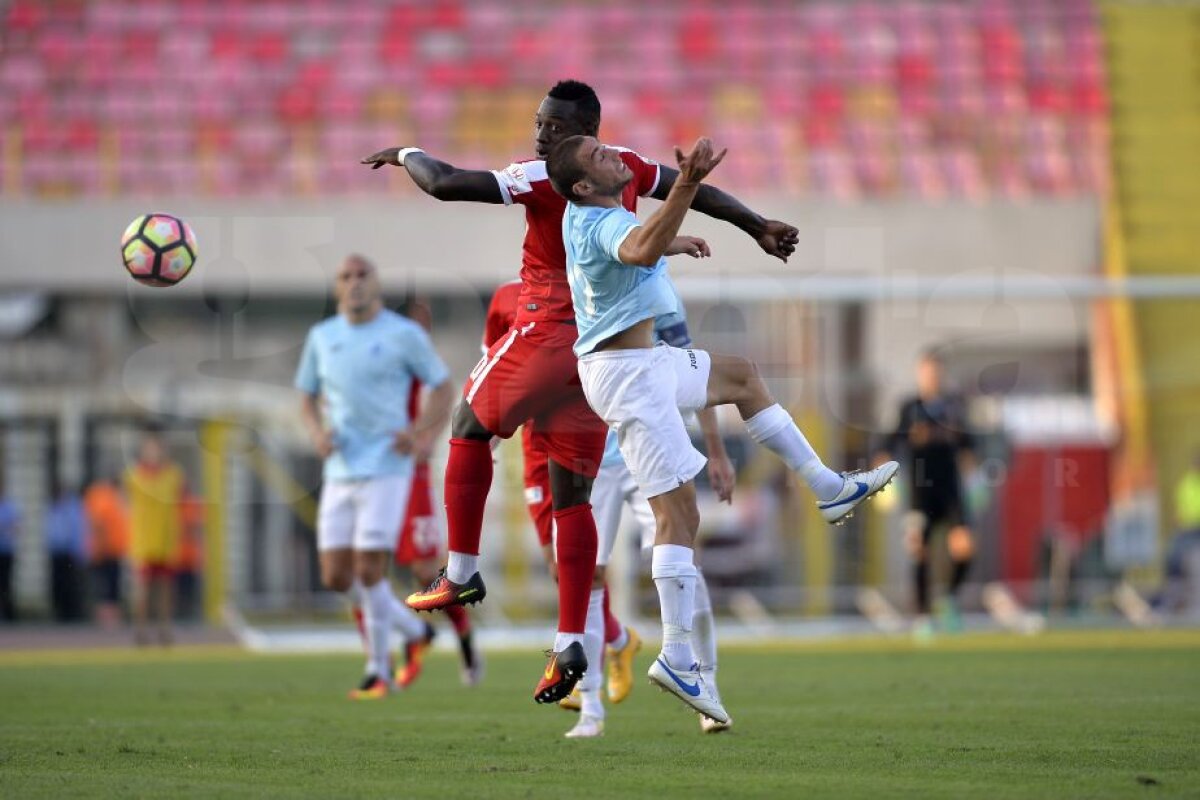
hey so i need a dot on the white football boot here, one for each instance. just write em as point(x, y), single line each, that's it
point(689, 686)
point(859, 485)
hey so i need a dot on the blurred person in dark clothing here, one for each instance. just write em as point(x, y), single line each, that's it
point(10, 528)
point(1175, 591)
point(932, 441)
point(66, 542)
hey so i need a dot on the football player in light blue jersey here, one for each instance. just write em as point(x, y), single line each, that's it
point(355, 373)
point(617, 270)
point(616, 490)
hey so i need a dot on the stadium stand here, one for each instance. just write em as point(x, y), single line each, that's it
point(933, 100)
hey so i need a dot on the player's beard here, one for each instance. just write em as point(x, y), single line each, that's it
point(618, 187)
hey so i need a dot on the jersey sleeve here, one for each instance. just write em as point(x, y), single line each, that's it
point(424, 362)
point(517, 182)
point(609, 231)
point(307, 379)
point(646, 173)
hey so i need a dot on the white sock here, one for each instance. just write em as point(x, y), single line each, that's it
point(377, 619)
point(593, 641)
point(674, 575)
point(461, 566)
point(590, 702)
point(704, 634)
point(621, 640)
point(404, 619)
point(564, 640)
point(775, 430)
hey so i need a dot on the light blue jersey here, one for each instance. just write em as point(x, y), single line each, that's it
point(670, 328)
point(364, 374)
point(609, 297)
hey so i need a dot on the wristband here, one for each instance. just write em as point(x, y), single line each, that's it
point(405, 152)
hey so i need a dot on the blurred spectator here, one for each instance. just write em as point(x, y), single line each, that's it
point(154, 486)
point(108, 547)
point(1186, 541)
point(66, 542)
point(932, 435)
point(10, 524)
point(191, 548)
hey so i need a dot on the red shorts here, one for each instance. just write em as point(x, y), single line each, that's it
point(155, 569)
point(537, 486)
point(420, 534)
point(530, 373)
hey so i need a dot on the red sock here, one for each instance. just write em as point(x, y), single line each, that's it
point(460, 620)
point(576, 553)
point(612, 625)
point(362, 627)
point(468, 479)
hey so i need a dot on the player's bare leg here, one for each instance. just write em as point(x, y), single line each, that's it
point(674, 572)
point(736, 380)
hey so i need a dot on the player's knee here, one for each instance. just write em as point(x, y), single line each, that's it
point(599, 576)
point(336, 580)
point(465, 425)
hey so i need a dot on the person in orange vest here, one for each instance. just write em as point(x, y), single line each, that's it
point(155, 487)
point(191, 556)
point(108, 547)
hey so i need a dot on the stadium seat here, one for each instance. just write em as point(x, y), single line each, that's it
point(778, 79)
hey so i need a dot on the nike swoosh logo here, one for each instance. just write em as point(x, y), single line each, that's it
point(549, 673)
point(692, 689)
point(467, 593)
point(859, 492)
point(429, 598)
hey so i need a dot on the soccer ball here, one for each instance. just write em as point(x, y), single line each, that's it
point(158, 249)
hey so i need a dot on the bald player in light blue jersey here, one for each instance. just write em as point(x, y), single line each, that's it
point(617, 270)
point(356, 373)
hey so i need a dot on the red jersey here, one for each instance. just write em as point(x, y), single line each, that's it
point(414, 401)
point(545, 294)
point(501, 313)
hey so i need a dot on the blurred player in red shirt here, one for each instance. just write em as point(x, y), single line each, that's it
point(419, 545)
point(530, 373)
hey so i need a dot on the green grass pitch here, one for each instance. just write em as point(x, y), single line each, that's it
point(1064, 715)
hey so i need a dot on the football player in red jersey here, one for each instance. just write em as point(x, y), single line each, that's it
point(419, 547)
point(530, 373)
point(622, 642)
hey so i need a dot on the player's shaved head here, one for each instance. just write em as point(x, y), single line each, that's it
point(564, 168)
point(357, 288)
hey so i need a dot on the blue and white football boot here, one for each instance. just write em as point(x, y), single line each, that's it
point(859, 485)
point(689, 686)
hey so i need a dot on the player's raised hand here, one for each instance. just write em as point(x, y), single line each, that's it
point(692, 246)
point(390, 156)
point(695, 166)
point(778, 239)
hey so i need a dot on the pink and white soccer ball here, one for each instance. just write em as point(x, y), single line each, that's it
point(158, 249)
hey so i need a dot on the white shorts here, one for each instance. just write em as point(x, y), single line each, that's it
point(362, 514)
point(614, 490)
point(641, 394)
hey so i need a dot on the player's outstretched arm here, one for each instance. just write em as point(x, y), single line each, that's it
point(439, 179)
point(650, 241)
point(774, 237)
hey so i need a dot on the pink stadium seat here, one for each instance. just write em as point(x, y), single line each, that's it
point(933, 99)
